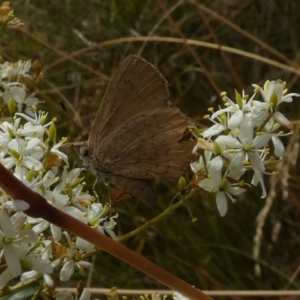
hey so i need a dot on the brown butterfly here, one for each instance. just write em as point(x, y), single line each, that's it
point(135, 136)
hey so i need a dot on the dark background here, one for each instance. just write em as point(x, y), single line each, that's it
point(78, 43)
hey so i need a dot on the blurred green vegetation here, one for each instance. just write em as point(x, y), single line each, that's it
point(213, 253)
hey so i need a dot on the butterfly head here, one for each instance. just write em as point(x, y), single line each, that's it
point(83, 152)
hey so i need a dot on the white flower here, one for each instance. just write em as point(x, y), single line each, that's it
point(30, 275)
point(34, 259)
point(273, 95)
point(218, 183)
point(277, 89)
point(14, 70)
point(278, 146)
point(55, 149)
point(246, 148)
point(12, 239)
point(24, 103)
point(67, 179)
point(24, 156)
point(16, 205)
point(35, 126)
point(235, 111)
point(258, 178)
point(107, 225)
point(8, 132)
point(5, 277)
point(213, 130)
point(69, 264)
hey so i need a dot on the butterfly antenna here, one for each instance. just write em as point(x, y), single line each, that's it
point(70, 117)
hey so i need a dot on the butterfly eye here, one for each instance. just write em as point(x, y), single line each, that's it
point(84, 151)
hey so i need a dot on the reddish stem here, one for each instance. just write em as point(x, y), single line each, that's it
point(40, 208)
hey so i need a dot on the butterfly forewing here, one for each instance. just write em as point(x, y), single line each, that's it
point(135, 87)
point(147, 145)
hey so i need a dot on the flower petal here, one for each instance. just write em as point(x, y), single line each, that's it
point(222, 203)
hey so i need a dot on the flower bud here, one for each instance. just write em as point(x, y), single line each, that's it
point(30, 175)
point(11, 106)
point(273, 100)
point(52, 134)
point(43, 119)
point(181, 184)
point(238, 99)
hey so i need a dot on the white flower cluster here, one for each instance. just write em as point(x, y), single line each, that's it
point(29, 149)
point(239, 141)
point(7, 18)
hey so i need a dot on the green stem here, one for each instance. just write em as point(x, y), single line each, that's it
point(157, 219)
